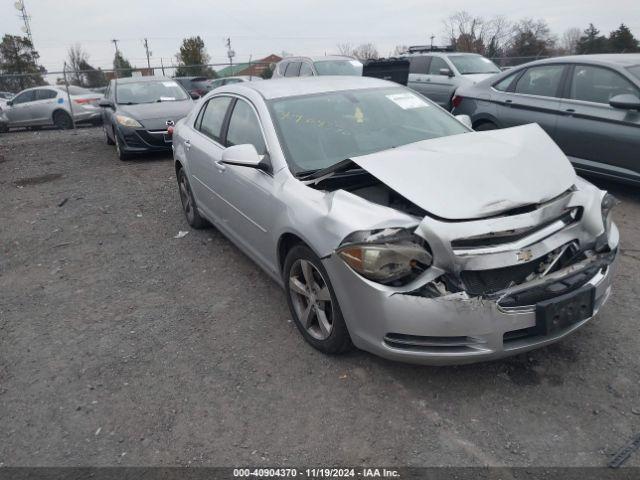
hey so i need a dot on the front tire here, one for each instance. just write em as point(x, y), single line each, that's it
point(312, 302)
point(189, 206)
point(485, 126)
point(62, 120)
point(108, 139)
point(122, 155)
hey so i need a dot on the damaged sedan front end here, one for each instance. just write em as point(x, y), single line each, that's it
point(391, 225)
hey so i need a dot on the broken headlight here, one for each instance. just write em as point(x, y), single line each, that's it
point(390, 255)
point(608, 202)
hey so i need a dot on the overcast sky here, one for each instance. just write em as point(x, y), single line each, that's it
point(261, 27)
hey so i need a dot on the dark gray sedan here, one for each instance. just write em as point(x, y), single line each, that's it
point(589, 104)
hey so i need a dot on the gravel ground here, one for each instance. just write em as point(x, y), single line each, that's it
point(120, 344)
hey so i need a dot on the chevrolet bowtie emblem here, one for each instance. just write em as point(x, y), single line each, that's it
point(524, 255)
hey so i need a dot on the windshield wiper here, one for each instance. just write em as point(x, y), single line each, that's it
point(127, 103)
point(329, 171)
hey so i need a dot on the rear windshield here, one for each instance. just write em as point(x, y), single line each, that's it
point(150, 92)
point(339, 67)
point(79, 91)
point(635, 71)
point(470, 64)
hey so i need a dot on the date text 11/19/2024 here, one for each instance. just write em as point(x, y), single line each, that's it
point(316, 472)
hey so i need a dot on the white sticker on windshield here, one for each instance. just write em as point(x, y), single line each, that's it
point(167, 99)
point(407, 100)
point(170, 84)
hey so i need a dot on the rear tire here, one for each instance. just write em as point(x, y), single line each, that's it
point(485, 126)
point(312, 302)
point(189, 206)
point(62, 120)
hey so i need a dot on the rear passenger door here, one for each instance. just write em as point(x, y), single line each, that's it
point(596, 135)
point(533, 98)
point(418, 68)
point(203, 149)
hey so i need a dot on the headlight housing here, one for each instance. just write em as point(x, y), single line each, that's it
point(390, 255)
point(127, 121)
point(608, 202)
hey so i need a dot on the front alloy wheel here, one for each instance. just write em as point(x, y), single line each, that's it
point(312, 302)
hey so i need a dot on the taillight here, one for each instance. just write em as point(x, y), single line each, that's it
point(457, 100)
point(85, 101)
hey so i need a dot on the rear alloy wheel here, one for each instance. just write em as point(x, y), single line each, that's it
point(62, 120)
point(312, 302)
point(106, 136)
point(188, 202)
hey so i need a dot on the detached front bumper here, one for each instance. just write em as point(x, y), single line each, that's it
point(453, 328)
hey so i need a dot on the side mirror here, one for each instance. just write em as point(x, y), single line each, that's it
point(104, 103)
point(446, 72)
point(10, 103)
point(194, 95)
point(465, 120)
point(244, 155)
point(625, 101)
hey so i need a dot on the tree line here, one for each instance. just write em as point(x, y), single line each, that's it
point(498, 38)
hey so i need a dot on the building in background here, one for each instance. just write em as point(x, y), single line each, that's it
point(255, 69)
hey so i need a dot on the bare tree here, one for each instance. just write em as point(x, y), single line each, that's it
point(366, 51)
point(399, 50)
point(77, 59)
point(469, 33)
point(570, 39)
point(345, 49)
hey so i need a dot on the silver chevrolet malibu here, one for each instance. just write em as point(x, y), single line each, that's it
point(391, 225)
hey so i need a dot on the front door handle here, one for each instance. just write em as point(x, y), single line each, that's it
point(220, 166)
point(570, 111)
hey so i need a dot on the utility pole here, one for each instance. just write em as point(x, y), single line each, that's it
point(115, 65)
point(230, 53)
point(26, 28)
point(162, 66)
point(432, 37)
point(146, 47)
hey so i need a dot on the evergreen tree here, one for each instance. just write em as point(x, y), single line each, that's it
point(122, 65)
point(622, 40)
point(192, 59)
point(18, 57)
point(592, 42)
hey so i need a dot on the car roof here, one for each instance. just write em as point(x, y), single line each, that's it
point(318, 58)
point(143, 79)
point(295, 86)
point(620, 59)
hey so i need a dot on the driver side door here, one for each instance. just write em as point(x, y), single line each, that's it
point(19, 113)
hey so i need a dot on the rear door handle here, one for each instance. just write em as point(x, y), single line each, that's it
point(508, 101)
point(220, 166)
point(570, 110)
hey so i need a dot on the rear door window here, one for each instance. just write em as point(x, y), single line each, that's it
point(211, 117)
point(46, 94)
point(504, 84)
point(598, 85)
point(244, 127)
point(305, 70)
point(419, 64)
point(293, 69)
point(542, 81)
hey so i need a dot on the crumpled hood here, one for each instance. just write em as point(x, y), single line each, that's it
point(154, 116)
point(476, 174)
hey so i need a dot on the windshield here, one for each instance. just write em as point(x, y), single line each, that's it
point(339, 67)
point(318, 131)
point(635, 71)
point(470, 64)
point(150, 92)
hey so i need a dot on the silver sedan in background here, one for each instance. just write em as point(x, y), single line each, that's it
point(391, 225)
point(49, 106)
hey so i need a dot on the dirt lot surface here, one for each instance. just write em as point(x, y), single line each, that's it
point(120, 344)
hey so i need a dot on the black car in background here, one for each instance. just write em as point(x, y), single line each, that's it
point(137, 112)
point(588, 104)
point(196, 86)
